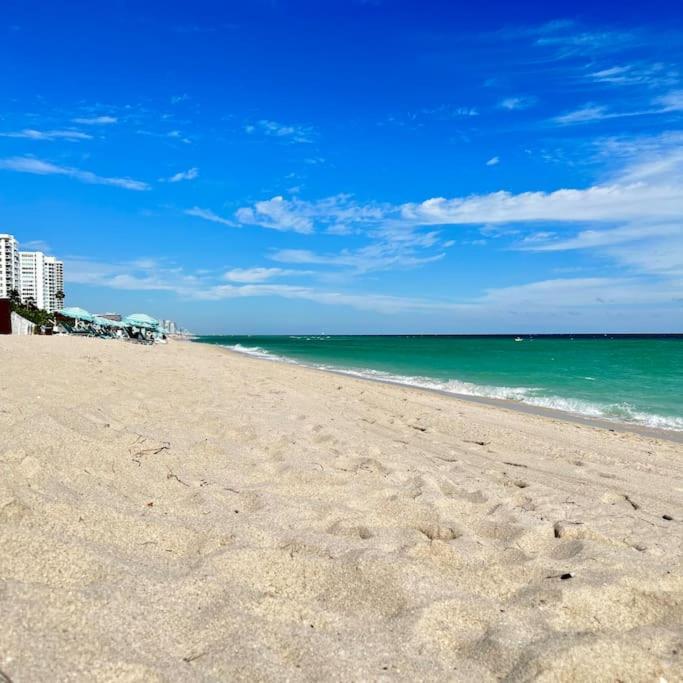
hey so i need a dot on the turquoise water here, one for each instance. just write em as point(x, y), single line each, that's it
point(632, 378)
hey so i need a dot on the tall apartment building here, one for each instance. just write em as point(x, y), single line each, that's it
point(41, 277)
point(54, 282)
point(9, 264)
point(32, 277)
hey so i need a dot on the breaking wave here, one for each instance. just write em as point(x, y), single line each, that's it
point(620, 412)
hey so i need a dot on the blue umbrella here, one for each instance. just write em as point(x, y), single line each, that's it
point(77, 314)
point(142, 320)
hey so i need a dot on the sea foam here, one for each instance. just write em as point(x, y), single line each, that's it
point(617, 412)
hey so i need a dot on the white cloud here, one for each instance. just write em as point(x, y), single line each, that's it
point(663, 257)
point(31, 134)
point(209, 215)
point(374, 257)
point(669, 103)
point(37, 245)
point(589, 112)
point(672, 101)
point(190, 174)
point(572, 44)
point(645, 190)
point(493, 161)
point(587, 239)
point(287, 132)
point(177, 135)
point(516, 103)
point(642, 202)
point(572, 292)
point(157, 276)
point(336, 214)
point(251, 275)
point(39, 167)
point(597, 203)
point(550, 297)
point(640, 74)
point(96, 120)
point(276, 214)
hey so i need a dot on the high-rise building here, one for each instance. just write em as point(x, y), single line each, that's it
point(37, 278)
point(169, 326)
point(32, 278)
point(41, 277)
point(54, 283)
point(9, 264)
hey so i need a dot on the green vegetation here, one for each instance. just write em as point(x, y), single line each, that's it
point(29, 310)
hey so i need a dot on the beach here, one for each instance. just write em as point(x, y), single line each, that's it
point(182, 512)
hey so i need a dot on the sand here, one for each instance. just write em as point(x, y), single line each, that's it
point(183, 513)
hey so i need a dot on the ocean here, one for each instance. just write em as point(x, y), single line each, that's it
point(626, 378)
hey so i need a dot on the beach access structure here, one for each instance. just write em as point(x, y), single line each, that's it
point(5, 317)
point(13, 323)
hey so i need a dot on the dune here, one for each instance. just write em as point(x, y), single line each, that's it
point(186, 513)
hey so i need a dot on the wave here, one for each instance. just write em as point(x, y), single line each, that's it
point(618, 412)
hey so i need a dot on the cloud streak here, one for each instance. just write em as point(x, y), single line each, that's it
point(208, 215)
point(32, 134)
point(286, 132)
point(96, 120)
point(190, 174)
point(39, 167)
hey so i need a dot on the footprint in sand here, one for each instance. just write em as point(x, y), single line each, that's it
point(438, 532)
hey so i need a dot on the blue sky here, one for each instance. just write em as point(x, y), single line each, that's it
point(351, 166)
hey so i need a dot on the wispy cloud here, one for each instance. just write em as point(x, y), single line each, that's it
point(190, 174)
point(32, 134)
point(37, 245)
point(374, 257)
point(572, 292)
point(493, 161)
point(571, 43)
point(592, 238)
point(656, 75)
point(286, 132)
point(545, 296)
point(39, 167)
point(177, 135)
point(151, 275)
point(96, 120)
point(517, 103)
point(645, 198)
point(338, 214)
point(670, 102)
point(251, 275)
point(208, 215)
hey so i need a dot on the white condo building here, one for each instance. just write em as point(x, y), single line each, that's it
point(41, 278)
point(9, 264)
point(32, 277)
point(54, 282)
point(35, 276)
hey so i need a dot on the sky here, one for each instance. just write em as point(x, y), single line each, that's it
point(351, 166)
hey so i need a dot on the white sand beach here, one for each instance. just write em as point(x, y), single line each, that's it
point(184, 513)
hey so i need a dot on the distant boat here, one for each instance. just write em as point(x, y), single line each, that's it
point(518, 339)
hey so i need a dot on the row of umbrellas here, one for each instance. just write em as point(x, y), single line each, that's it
point(141, 320)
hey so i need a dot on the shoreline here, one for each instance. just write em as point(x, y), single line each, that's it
point(673, 435)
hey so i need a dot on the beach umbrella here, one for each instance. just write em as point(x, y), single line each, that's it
point(77, 314)
point(105, 322)
point(141, 320)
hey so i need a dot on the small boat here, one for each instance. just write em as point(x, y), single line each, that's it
point(518, 339)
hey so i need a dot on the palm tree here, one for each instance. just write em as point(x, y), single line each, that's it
point(60, 296)
point(14, 296)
